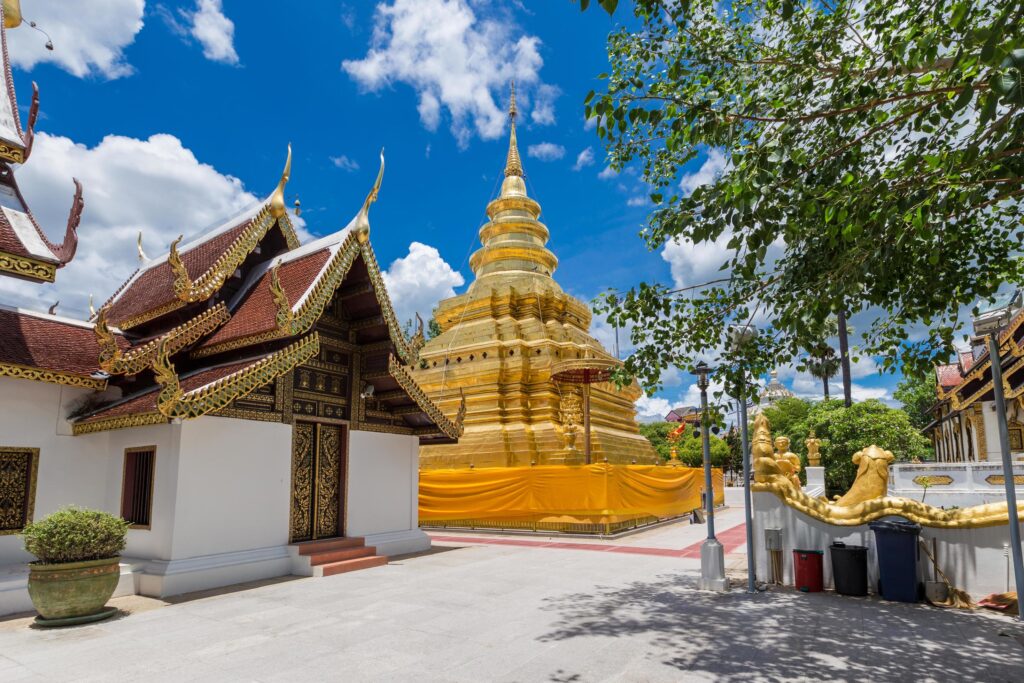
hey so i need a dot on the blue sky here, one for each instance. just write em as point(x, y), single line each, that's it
point(175, 115)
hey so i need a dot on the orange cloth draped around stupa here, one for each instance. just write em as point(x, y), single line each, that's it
point(499, 341)
point(592, 493)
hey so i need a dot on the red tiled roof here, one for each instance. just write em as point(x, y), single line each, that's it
point(47, 342)
point(256, 313)
point(155, 287)
point(146, 402)
point(948, 375)
point(967, 360)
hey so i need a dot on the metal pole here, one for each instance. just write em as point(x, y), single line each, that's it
point(1008, 479)
point(586, 421)
point(751, 578)
point(709, 492)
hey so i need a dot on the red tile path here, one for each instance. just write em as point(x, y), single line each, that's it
point(732, 538)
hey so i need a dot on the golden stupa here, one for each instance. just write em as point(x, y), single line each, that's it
point(500, 342)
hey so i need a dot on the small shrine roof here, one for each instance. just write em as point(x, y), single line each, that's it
point(50, 348)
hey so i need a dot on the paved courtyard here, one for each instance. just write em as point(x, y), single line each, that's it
point(482, 612)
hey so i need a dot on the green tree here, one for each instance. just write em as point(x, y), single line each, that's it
point(691, 451)
point(872, 163)
point(844, 431)
point(916, 394)
point(433, 327)
point(657, 434)
point(786, 415)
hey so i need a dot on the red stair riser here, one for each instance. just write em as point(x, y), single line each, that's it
point(353, 565)
point(341, 555)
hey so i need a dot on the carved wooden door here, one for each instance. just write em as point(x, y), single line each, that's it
point(318, 468)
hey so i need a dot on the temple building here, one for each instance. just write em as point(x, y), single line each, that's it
point(965, 428)
point(246, 402)
point(500, 342)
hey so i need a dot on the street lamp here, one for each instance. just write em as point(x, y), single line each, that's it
point(1004, 446)
point(712, 555)
point(740, 336)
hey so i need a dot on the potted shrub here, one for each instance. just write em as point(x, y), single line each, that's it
point(76, 570)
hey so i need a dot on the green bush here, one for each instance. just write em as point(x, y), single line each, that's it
point(75, 534)
point(691, 450)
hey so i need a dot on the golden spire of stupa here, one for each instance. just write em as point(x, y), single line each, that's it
point(513, 165)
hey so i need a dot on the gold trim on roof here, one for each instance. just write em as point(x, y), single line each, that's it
point(26, 267)
point(362, 221)
point(117, 362)
point(188, 291)
point(120, 422)
point(290, 323)
point(451, 428)
point(51, 376)
point(173, 402)
point(277, 206)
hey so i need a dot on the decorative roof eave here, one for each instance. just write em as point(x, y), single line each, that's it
point(173, 402)
point(117, 362)
point(982, 365)
point(27, 268)
point(120, 422)
point(453, 429)
point(51, 376)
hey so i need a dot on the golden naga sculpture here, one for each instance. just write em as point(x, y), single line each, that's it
point(866, 501)
point(813, 444)
point(789, 462)
point(362, 222)
point(872, 476)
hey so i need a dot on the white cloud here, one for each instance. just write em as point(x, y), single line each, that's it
point(418, 281)
point(637, 201)
point(344, 163)
point(154, 185)
point(543, 113)
point(713, 166)
point(590, 124)
point(214, 31)
point(454, 60)
point(546, 151)
point(88, 41)
point(652, 409)
point(608, 173)
point(693, 264)
point(585, 158)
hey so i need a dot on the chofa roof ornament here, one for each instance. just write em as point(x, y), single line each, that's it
point(277, 205)
point(362, 222)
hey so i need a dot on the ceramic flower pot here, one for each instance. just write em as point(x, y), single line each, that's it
point(73, 589)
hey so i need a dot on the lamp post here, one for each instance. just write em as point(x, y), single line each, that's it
point(712, 555)
point(740, 336)
point(1004, 447)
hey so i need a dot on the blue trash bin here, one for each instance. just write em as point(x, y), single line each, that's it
point(896, 543)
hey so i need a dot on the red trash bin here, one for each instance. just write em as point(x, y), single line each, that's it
point(807, 570)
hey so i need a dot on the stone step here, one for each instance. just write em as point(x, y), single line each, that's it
point(350, 565)
point(312, 547)
point(332, 556)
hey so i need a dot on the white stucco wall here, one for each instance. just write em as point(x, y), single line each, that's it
point(72, 470)
point(975, 560)
point(382, 500)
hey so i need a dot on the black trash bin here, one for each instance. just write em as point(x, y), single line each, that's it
point(896, 543)
point(849, 568)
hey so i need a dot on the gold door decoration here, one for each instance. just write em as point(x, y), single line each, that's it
point(317, 462)
point(18, 470)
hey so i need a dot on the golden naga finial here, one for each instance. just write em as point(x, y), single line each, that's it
point(142, 254)
point(109, 351)
point(362, 226)
point(513, 164)
point(92, 309)
point(277, 207)
point(872, 479)
point(280, 298)
point(167, 378)
point(418, 338)
point(182, 282)
point(52, 310)
point(460, 416)
point(12, 13)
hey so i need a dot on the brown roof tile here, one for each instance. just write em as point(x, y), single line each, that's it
point(256, 313)
point(47, 342)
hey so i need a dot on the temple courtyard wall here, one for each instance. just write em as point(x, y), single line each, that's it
point(221, 492)
point(975, 560)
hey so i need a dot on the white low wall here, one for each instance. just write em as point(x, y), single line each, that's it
point(963, 484)
point(975, 560)
point(383, 492)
